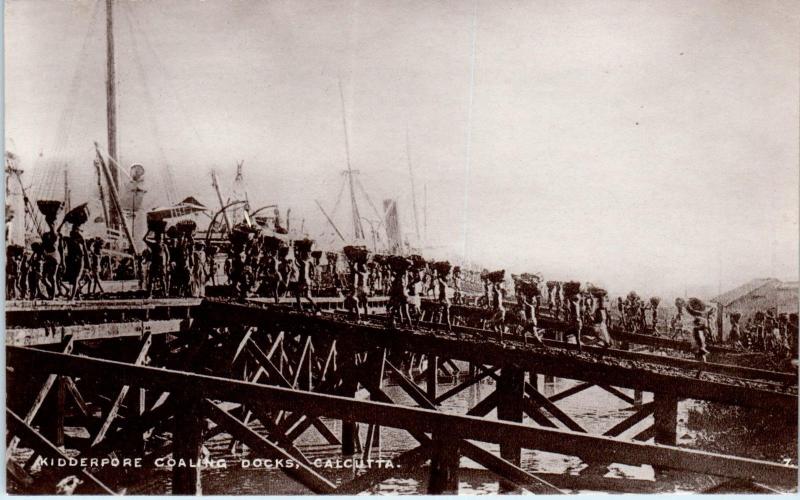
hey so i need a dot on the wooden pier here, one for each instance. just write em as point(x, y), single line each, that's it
point(130, 372)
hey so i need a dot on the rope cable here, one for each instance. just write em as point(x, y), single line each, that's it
point(168, 185)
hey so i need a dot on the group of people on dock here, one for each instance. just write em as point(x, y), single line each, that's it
point(56, 265)
point(765, 332)
point(268, 264)
point(174, 264)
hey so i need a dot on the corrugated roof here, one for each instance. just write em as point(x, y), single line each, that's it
point(739, 292)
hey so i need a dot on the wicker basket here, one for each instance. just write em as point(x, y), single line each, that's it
point(304, 245)
point(442, 268)
point(597, 291)
point(572, 288)
point(78, 215)
point(398, 263)
point(418, 262)
point(697, 307)
point(156, 226)
point(186, 226)
point(14, 250)
point(356, 254)
point(49, 209)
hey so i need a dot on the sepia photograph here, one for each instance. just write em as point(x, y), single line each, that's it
point(401, 247)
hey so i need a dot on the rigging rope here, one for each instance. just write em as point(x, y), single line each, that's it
point(168, 184)
point(169, 81)
point(46, 176)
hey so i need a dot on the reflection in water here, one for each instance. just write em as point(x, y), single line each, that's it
point(594, 409)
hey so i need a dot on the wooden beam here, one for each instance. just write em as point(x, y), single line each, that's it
point(187, 443)
point(665, 412)
point(432, 377)
point(113, 411)
point(483, 408)
point(554, 410)
point(465, 384)
point(445, 457)
point(45, 336)
point(532, 410)
point(510, 393)
point(42, 446)
point(509, 471)
point(571, 391)
point(305, 475)
point(618, 393)
point(404, 462)
point(641, 414)
point(40, 397)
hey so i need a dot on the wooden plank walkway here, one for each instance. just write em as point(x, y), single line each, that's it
point(557, 362)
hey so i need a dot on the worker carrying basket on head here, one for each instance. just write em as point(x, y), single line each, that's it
point(527, 290)
point(699, 310)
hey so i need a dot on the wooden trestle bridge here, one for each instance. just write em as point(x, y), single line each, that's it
point(130, 371)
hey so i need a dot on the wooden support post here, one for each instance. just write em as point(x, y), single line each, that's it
point(534, 379)
point(349, 387)
point(378, 364)
point(433, 372)
point(187, 444)
point(510, 392)
point(637, 397)
point(445, 458)
point(53, 415)
point(665, 412)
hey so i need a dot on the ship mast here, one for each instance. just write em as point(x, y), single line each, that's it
point(111, 107)
point(413, 192)
point(358, 229)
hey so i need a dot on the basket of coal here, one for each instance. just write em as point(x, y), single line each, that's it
point(186, 226)
point(398, 263)
point(759, 316)
point(172, 232)
point(654, 302)
point(49, 209)
point(526, 287)
point(271, 243)
point(736, 317)
point(696, 307)
point(303, 245)
point(241, 235)
point(596, 291)
point(633, 297)
point(418, 262)
point(442, 268)
point(531, 278)
point(283, 252)
point(572, 288)
point(316, 255)
point(496, 276)
point(78, 215)
point(379, 259)
point(551, 284)
point(15, 251)
point(356, 254)
point(156, 225)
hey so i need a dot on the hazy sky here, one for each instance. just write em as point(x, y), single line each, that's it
point(639, 144)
